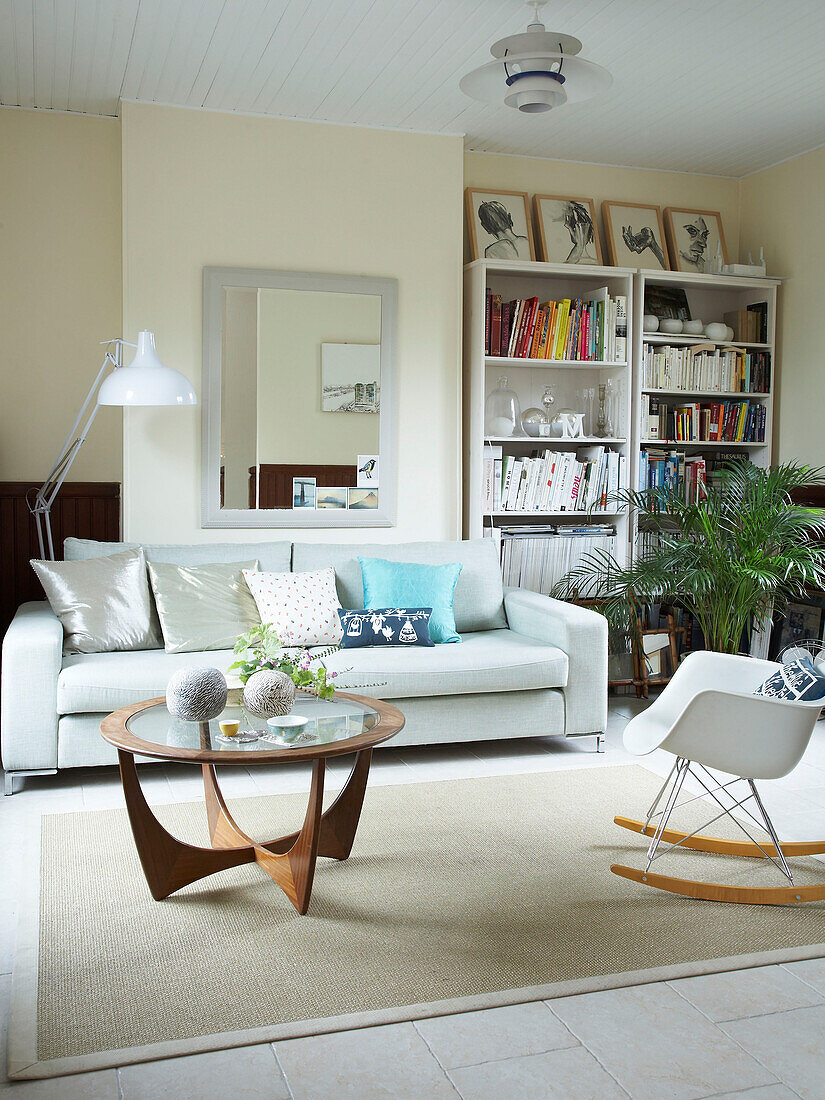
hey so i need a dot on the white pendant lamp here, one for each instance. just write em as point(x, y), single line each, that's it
point(536, 71)
point(146, 381)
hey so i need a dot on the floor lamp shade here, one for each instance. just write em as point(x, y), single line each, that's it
point(146, 381)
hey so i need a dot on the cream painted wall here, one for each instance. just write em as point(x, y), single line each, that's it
point(218, 189)
point(600, 182)
point(60, 288)
point(292, 326)
point(782, 210)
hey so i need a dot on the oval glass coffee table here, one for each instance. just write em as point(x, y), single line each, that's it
point(345, 724)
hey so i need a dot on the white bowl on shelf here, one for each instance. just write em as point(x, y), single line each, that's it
point(716, 331)
point(650, 322)
point(693, 328)
point(671, 325)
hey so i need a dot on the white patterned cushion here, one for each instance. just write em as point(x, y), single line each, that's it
point(302, 606)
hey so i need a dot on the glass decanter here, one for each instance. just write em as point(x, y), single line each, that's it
point(502, 411)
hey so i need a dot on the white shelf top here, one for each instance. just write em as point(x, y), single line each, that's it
point(715, 443)
point(688, 341)
point(724, 282)
point(539, 267)
point(569, 514)
point(566, 364)
point(551, 440)
point(708, 393)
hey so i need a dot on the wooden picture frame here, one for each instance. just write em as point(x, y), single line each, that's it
point(692, 236)
point(566, 230)
point(643, 245)
point(506, 233)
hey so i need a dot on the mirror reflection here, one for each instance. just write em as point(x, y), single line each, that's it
point(300, 399)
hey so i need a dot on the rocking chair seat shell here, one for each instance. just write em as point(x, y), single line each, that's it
point(708, 714)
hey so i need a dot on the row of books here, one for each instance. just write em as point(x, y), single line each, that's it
point(552, 481)
point(718, 421)
point(750, 325)
point(538, 559)
point(585, 329)
point(728, 371)
point(684, 476)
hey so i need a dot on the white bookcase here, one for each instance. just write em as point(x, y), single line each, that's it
point(528, 377)
point(709, 297)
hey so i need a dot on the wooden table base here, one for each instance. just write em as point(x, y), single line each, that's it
point(169, 864)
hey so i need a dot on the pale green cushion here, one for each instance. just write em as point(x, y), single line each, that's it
point(273, 557)
point(203, 607)
point(103, 605)
point(486, 661)
point(478, 597)
point(97, 683)
point(493, 661)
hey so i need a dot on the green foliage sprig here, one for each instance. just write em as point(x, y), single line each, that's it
point(730, 560)
point(262, 649)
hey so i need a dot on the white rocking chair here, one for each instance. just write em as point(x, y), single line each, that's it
point(708, 717)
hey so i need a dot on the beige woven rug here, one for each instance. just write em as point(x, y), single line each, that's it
point(459, 894)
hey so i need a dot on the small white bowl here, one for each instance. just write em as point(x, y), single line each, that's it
point(693, 328)
point(650, 322)
point(716, 331)
point(671, 325)
point(287, 721)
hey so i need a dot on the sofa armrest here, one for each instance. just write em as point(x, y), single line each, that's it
point(582, 635)
point(32, 659)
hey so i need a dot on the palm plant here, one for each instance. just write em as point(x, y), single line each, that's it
point(730, 560)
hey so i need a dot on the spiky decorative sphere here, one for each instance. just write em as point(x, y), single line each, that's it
point(269, 694)
point(196, 694)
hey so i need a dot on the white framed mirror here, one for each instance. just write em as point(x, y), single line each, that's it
point(298, 399)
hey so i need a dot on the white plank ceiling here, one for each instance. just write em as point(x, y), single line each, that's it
point(718, 86)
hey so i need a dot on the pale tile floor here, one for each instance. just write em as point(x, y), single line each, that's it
point(752, 1033)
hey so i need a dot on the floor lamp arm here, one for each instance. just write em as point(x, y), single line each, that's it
point(41, 504)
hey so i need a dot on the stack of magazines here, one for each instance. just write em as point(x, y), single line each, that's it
point(538, 557)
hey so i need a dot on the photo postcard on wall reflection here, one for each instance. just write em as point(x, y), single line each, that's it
point(367, 472)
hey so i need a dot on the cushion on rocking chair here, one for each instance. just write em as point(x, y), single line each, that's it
point(800, 680)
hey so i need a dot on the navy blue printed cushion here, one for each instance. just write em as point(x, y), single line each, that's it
point(800, 680)
point(396, 626)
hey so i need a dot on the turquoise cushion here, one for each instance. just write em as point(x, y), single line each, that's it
point(406, 584)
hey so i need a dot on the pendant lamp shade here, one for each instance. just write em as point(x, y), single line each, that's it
point(146, 381)
point(536, 71)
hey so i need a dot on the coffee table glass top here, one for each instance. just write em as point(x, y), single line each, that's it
point(328, 722)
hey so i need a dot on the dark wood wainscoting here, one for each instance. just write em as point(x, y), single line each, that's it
point(85, 509)
point(276, 481)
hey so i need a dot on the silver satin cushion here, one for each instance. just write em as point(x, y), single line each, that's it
point(203, 607)
point(104, 604)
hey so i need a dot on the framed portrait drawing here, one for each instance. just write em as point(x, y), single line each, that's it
point(566, 230)
point(635, 235)
point(693, 237)
point(499, 224)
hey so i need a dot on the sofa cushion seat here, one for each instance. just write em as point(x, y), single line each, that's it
point(490, 660)
point(89, 683)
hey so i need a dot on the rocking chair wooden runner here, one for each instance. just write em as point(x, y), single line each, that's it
point(708, 717)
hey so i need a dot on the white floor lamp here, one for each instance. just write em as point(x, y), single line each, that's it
point(146, 381)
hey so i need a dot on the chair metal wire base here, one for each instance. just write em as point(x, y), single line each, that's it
point(664, 839)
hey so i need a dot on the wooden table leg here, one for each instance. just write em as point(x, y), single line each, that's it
point(169, 864)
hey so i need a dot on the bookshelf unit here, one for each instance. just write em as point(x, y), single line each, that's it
point(528, 377)
point(709, 297)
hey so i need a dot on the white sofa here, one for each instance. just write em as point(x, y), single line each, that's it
point(527, 665)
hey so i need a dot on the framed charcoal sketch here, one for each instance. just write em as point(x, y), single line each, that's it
point(693, 237)
point(635, 235)
point(498, 223)
point(566, 230)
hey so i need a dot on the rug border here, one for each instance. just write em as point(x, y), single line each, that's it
point(23, 1064)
